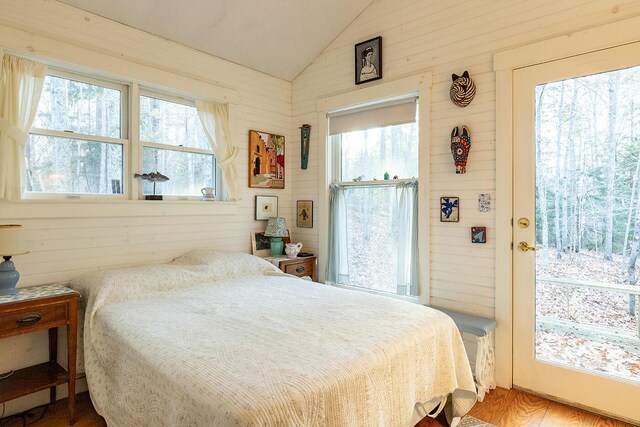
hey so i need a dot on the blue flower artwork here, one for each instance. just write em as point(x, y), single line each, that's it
point(449, 209)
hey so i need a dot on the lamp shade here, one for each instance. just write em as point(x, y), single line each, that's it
point(12, 240)
point(276, 227)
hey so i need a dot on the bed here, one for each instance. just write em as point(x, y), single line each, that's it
point(226, 339)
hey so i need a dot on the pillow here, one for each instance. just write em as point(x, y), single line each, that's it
point(226, 265)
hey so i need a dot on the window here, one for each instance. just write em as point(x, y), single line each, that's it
point(79, 143)
point(174, 143)
point(373, 212)
point(78, 139)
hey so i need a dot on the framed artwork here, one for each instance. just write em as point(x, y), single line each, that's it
point(266, 160)
point(304, 214)
point(266, 207)
point(449, 209)
point(368, 60)
point(478, 234)
point(484, 202)
point(260, 244)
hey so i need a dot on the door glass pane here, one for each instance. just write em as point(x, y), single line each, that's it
point(187, 172)
point(64, 165)
point(588, 223)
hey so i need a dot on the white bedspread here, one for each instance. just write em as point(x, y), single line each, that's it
point(215, 339)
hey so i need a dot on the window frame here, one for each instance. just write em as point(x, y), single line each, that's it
point(418, 84)
point(336, 177)
point(124, 141)
point(132, 145)
point(176, 99)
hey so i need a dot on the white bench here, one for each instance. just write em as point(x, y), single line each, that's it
point(482, 328)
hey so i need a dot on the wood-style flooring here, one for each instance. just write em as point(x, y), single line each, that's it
point(503, 408)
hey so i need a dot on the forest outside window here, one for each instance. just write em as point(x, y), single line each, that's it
point(78, 140)
point(79, 144)
point(174, 143)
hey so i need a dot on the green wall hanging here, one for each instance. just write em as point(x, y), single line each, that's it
point(305, 133)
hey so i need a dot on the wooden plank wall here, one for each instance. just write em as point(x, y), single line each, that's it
point(67, 238)
point(444, 38)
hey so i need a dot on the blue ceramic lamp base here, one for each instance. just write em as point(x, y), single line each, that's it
point(277, 246)
point(8, 277)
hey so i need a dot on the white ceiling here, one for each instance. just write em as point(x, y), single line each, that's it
point(277, 37)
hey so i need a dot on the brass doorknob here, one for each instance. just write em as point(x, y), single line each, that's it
point(524, 247)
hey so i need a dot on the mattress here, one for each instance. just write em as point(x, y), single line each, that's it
point(220, 339)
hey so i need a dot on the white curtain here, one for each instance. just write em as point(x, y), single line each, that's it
point(215, 120)
point(407, 197)
point(21, 84)
point(337, 263)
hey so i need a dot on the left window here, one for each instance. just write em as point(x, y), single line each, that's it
point(79, 137)
point(80, 144)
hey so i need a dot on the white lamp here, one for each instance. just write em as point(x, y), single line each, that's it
point(276, 229)
point(11, 243)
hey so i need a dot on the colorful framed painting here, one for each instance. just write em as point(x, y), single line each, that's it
point(266, 207)
point(478, 234)
point(449, 209)
point(304, 214)
point(266, 160)
point(368, 60)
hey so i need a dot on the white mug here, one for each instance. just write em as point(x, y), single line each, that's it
point(207, 192)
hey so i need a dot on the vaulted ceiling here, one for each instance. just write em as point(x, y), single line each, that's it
point(277, 37)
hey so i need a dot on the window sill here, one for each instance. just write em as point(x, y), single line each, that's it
point(75, 208)
point(374, 292)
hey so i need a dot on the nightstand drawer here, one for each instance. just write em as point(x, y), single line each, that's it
point(300, 269)
point(32, 317)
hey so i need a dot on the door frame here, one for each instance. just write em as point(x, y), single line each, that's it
point(505, 62)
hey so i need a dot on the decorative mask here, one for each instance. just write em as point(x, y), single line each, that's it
point(463, 89)
point(460, 146)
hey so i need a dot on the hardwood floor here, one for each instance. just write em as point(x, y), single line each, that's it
point(503, 408)
point(514, 408)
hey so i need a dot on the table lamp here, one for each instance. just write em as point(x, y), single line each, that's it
point(276, 229)
point(11, 243)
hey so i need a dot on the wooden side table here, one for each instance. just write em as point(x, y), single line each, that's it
point(34, 309)
point(301, 267)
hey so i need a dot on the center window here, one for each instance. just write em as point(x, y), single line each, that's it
point(174, 144)
point(373, 206)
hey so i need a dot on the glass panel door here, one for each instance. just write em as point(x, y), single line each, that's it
point(576, 234)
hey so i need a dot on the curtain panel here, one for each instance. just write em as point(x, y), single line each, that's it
point(407, 197)
point(215, 120)
point(347, 199)
point(21, 85)
point(338, 262)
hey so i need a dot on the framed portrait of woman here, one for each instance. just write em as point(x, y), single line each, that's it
point(369, 60)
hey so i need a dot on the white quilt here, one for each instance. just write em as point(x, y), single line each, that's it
point(216, 339)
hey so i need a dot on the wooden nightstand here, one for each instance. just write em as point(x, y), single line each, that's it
point(301, 266)
point(34, 309)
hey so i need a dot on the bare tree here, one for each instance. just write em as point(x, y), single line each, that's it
point(541, 184)
point(613, 83)
point(557, 183)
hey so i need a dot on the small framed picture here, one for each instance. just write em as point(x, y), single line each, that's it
point(266, 207)
point(449, 209)
point(304, 214)
point(478, 234)
point(369, 60)
point(260, 244)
